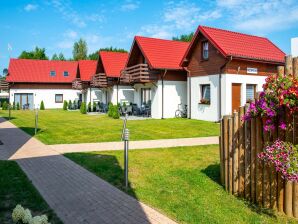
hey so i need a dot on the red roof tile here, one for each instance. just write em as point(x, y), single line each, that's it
point(113, 62)
point(28, 70)
point(241, 45)
point(162, 54)
point(87, 69)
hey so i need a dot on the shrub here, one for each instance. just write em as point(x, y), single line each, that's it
point(94, 107)
point(13, 105)
point(116, 114)
point(74, 104)
point(18, 106)
point(69, 105)
point(89, 107)
point(110, 110)
point(42, 105)
point(65, 105)
point(21, 215)
point(4, 105)
point(83, 108)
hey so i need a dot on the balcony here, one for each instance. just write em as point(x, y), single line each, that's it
point(77, 84)
point(139, 73)
point(4, 85)
point(99, 80)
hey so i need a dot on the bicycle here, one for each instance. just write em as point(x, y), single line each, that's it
point(181, 113)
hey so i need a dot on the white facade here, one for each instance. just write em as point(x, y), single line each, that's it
point(294, 47)
point(175, 92)
point(210, 112)
point(47, 95)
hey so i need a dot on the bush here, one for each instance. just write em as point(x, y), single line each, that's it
point(89, 107)
point(94, 107)
point(42, 105)
point(110, 110)
point(74, 104)
point(21, 215)
point(65, 105)
point(116, 114)
point(69, 105)
point(83, 108)
point(18, 106)
point(13, 105)
point(4, 105)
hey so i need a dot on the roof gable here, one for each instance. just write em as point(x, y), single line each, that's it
point(161, 54)
point(113, 62)
point(87, 68)
point(238, 45)
point(35, 71)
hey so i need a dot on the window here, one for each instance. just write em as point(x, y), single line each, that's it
point(58, 98)
point(205, 94)
point(65, 73)
point(145, 96)
point(52, 73)
point(205, 49)
point(250, 92)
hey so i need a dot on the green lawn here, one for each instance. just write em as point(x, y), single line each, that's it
point(62, 127)
point(15, 189)
point(182, 182)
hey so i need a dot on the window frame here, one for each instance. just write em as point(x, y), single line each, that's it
point(254, 92)
point(147, 94)
point(204, 100)
point(64, 73)
point(52, 72)
point(58, 94)
point(203, 50)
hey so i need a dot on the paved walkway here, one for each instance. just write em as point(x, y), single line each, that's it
point(75, 194)
point(162, 143)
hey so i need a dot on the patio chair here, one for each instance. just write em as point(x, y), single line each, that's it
point(129, 110)
point(136, 110)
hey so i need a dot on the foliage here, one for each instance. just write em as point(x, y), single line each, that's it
point(18, 106)
point(69, 105)
point(4, 105)
point(55, 57)
point(94, 107)
point(89, 107)
point(80, 50)
point(83, 108)
point(37, 53)
point(110, 109)
point(184, 37)
point(283, 156)
point(95, 55)
point(279, 98)
point(24, 216)
point(65, 105)
point(13, 105)
point(42, 107)
point(59, 57)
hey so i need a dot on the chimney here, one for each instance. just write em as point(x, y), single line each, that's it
point(294, 47)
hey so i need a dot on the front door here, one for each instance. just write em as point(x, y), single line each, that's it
point(236, 96)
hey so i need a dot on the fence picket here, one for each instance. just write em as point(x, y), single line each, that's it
point(235, 153)
point(226, 151)
point(230, 134)
point(241, 152)
point(253, 160)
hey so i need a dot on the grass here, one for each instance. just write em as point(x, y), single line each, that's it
point(181, 182)
point(63, 127)
point(15, 188)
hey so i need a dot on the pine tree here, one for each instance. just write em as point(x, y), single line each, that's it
point(42, 107)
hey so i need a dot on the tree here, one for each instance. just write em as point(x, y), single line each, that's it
point(184, 37)
point(80, 50)
point(37, 53)
point(61, 57)
point(65, 105)
point(42, 105)
point(55, 57)
point(83, 108)
point(95, 55)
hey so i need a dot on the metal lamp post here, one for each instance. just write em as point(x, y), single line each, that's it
point(9, 111)
point(126, 139)
point(36, 120)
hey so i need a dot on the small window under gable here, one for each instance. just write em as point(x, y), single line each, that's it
point(65, 73)
point(205, 50)
point(52, 73)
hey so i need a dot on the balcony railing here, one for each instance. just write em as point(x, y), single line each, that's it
point(4, 85)
point(139, 73)
point(77, 84)
point(99, 80)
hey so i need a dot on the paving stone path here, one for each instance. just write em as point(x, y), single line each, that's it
point(75, 194)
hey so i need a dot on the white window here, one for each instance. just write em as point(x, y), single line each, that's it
point(205, 94)
point(145, 96)
point(250, 92)
point(65, 73)
point(205, 50)
point(52, 73)
point(58, 98)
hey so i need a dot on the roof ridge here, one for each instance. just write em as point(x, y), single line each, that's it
point(41, 60)
point(230, 31)
point(154, 38)
point(114, 52)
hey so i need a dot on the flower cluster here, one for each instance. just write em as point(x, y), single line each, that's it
point(283, 156)
point(280, 95)
point(21, 215)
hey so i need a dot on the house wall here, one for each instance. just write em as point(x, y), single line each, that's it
point(125, 94)
point(47, 95)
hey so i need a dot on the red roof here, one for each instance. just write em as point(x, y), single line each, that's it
point(162, 54)
point(28, 70)
point(240, 45)
point(113, 62)
point(87, 69)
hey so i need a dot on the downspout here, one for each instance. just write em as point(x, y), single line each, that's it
point(219, 85)
point(189, 91)
point(117, 93)
point(162, 94)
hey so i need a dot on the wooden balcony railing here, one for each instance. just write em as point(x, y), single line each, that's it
point(139, 73)
point(99, 80)
point(4, 85)
point(77, 84)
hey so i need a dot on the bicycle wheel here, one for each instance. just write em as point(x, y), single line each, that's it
point(178, 114)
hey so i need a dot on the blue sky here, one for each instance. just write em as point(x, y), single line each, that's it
point(56, 24)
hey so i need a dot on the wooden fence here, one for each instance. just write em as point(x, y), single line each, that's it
point(243, 173)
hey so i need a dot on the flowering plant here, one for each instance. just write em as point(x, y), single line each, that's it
point(283, 156)
point(21, 215)
point(280, 95)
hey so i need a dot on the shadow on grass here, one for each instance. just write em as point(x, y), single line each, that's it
point(213, 172)
point(30, 130)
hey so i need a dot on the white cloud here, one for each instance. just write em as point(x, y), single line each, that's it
point(130, 5)
point(157, 31)
point(71, 34)
point(30, 7)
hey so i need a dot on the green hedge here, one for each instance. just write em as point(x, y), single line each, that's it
point(83, 108)
point(113, 111)
point(42, 107)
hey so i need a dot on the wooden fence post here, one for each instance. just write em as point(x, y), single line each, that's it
point(259, 164)
point(226, 151)
point(295, 67)
point(221, 151)
point(235, 153)
point(230, 124)
point(247, 158)
point(266, 175)
point(289, 65)
point(273, 177)
point(253, 159)
point(241, 145)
